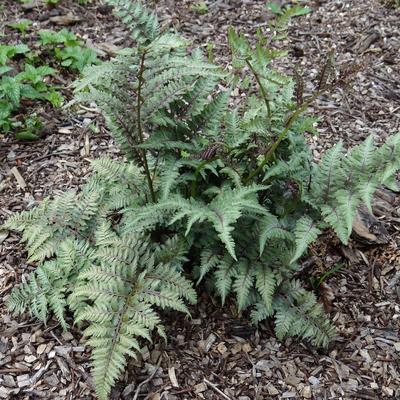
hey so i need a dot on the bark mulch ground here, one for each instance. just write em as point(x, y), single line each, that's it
point(218, 354)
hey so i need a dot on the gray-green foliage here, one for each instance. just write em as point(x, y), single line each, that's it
point(231, 196)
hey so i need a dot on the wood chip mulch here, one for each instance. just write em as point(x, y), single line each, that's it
point(218, 354)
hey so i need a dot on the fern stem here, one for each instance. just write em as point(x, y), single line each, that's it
point(193, 189)
point(262, 89)
point(140, 129)
point(271, 150)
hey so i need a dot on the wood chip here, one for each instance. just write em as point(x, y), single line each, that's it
point(64, 20)
point(172, 377)
point(18, 177)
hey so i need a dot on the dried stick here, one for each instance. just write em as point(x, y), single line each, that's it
point(214, 387)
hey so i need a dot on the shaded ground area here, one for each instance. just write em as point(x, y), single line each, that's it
point(218, 354)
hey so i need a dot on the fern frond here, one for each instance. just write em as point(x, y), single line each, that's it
point(306, 232)
point(143, 25)
point(208, 262)
point(122, 288)
point(223, 212)
point(347, 207)
point(334, 218)
point(299, 314)
point(168, 178)
point(243, 282)
point(225, 271)
point(266, 285)
point(328, 176)
point(272, 228)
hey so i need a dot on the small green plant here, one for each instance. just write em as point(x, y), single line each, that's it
point(51, 3)
point(21, 25)
point(228, 196)
point(18, 87)
point(68, 50)
point(317, 281)
point(29, 129)
point(76, 57)
point(283, 16)
point(64, 37)
point(7, 52)
point(200, 8)
point(288, 11)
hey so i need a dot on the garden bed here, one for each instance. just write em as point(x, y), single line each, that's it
point(218, 354)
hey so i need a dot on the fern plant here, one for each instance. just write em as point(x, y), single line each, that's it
point(207, 192)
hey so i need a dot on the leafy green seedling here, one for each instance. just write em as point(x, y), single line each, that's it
point(35, 75)
point(316, 282)
point(9, 51)
point(295, 11)
point(30, 129)
point(200, 8)
point(52, 2)
point(283, 15)
point(64, 36)
point(4, 69)
point(68, 49)
point(28, 84)
point(76, 57)
point(21, 25)
point(38, 89)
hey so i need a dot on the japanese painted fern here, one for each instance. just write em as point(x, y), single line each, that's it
point(230, 196)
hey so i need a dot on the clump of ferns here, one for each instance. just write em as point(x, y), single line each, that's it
point(208, 192)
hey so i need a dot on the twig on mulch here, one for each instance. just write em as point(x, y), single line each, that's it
point(139, 388)
point(214, 387)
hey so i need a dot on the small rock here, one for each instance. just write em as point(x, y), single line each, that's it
point(23, 380)
point(26, 337)
point(246, 348)
point(272, 390)
point(292, 380)
point(4, 393)
point(364, 354)
point(41, 348)
point(306, 392)
point(8, 381)
point(374, 385)
point(30, 359)
point(67, 336)
point(352, 384)
point(313, 380)
point(181, 340)
point(200, 388)
point(237, 348)
point(222, 349)
point(11, 156)
point(52, 380)
point(264, 365)
point(62, 351)
point(289, 395)
point(388, 391)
